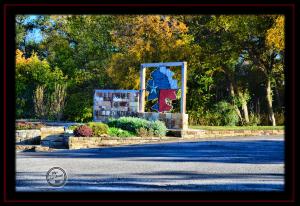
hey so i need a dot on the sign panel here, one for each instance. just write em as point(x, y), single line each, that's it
point(162, 87)
point(115, 103)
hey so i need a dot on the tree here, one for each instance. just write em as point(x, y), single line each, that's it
point(215, 35)
point(147, 38)
point(31, 73)
point(265, 54)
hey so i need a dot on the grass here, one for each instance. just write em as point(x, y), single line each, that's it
point(236, 127)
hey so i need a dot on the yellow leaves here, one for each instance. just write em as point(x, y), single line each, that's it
point(20, 59)
point(182, 27)
point(275, 35)
point(145, 38)
point(179, 42)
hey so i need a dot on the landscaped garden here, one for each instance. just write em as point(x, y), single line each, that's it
point(121, 127)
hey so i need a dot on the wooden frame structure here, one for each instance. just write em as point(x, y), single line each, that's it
point(183, 66)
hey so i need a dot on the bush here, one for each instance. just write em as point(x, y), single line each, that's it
point(279, 117)
point(224, 114)
point(143, 132)
point(83, 131)
point(128, 123)
point(254, 120)
point(159, 128)
point(73, 127)
point(134, 124)
point(117, 132)
point(98, 128)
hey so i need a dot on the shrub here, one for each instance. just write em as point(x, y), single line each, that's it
point(279, 117)
point(159, 128)
point(73, 127)
point(224, 114)
point(134, 124)
point(128, 123)
point(142, 132)
point(83, 131)
point(117, 132)
point(254, 120)
point(98, 128)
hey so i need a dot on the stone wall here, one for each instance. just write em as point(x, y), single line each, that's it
point(30, 136)
point(193, 133)
point(94, 142)
point(172, 120)
point(52, 136)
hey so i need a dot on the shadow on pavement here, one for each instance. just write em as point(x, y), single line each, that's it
point(148, 182)
point(251, 152)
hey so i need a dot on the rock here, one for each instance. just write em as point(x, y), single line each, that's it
point(42, 149)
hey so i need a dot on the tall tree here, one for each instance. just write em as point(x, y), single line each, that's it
point(267, 54)
point(147, 38)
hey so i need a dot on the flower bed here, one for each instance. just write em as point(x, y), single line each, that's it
point(121, 127)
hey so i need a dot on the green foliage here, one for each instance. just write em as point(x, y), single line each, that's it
point(49, 105)
point(72, 127)
point(98, 128)
point(105, 51)
point(158, 128)
point(128, 123)
point(224, 114)
point(32, 73)
point(280, 119)
point(133, 124)
point(254, 120)
point(117, 132)
point(79, 107)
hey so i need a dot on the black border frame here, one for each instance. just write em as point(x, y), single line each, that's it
point(11, 196)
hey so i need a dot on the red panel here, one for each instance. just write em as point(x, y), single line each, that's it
point(165, 94)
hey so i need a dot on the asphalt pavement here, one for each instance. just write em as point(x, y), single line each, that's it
point(226, 164)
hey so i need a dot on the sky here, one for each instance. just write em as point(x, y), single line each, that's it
point(35, 34)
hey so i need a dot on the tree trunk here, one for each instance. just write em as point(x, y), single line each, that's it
point(269, 102)
point(231, 88)
point(244, 106)
point(277, 96)
point(245, 110)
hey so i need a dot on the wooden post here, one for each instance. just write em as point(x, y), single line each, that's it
point(183, 88)
point(142, 89)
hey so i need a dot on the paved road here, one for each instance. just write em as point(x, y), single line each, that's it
point(228, 164)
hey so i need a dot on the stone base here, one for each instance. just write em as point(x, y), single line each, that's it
point(32, 148)
point(96, 142)
point(53, 136)
point(28, 137)
point(25, 148)
point(197, 133)
point(172, 120)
